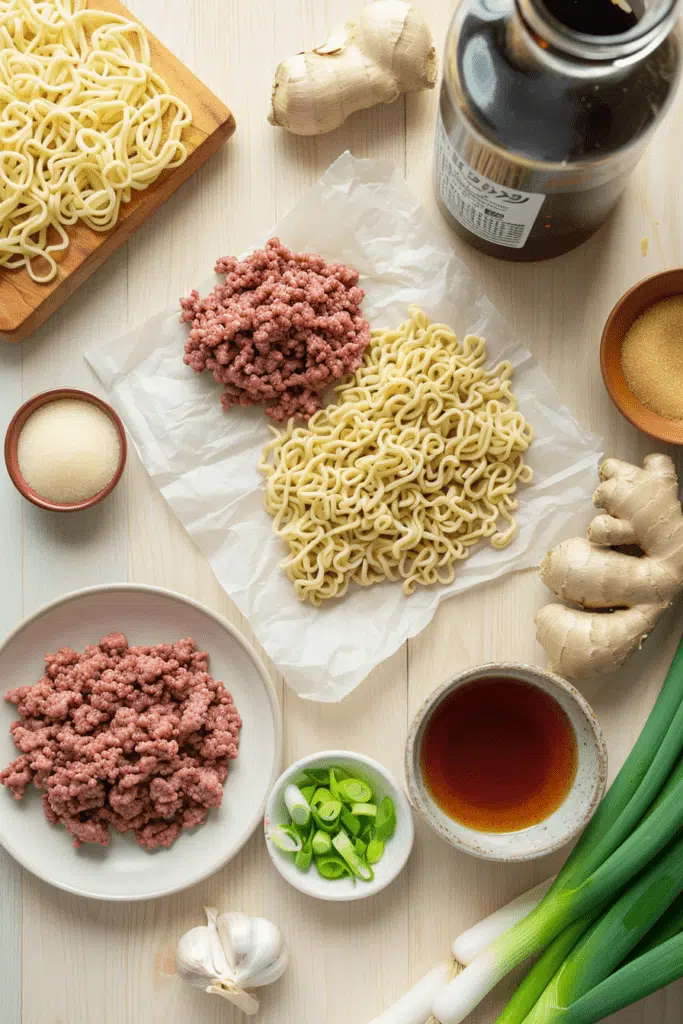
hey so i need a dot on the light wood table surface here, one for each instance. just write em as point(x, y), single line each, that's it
point(67, 960)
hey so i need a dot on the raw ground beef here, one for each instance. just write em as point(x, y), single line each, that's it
point(282, 328)
point(134, 737)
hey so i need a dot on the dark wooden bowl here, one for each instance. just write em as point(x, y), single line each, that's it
point(12, 436)
point(627, 310)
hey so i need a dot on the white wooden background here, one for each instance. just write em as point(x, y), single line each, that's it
point(73, 961)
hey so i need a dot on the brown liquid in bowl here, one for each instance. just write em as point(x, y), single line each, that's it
point(498, 755)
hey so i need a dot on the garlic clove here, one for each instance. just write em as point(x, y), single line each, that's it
point(193, 957)
point(234, 930)
point(247, 1002)
point(266, 957)
point(221, 963)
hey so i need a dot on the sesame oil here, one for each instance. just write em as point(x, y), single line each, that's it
point(498, 755)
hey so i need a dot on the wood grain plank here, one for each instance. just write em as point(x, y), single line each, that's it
point(114, 964)
point(62, 934)
point(11, 541)
point(24, 304)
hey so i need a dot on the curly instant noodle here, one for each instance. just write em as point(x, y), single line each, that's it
point(418, 461)
point(281, 329)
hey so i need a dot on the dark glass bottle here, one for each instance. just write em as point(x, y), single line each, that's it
point(546, 107)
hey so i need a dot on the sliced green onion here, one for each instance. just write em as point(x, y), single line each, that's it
point(334, 784)
point(321, 842)
point(332, 866)
point(331, 827)
point(351, 824)
point(354, 791)
point(307, 793)
point(385, 819)
point(285, 838)
point(375, 851)
point(304, 857)
point(360, 867)
point(364, 810)
point(321, 796)
point(303, 830)
point(367, 831)
point(297, 805)
point(329, 812)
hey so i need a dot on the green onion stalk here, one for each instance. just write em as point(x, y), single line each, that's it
point(616, 933)
point(626, 833)
point(636, 980)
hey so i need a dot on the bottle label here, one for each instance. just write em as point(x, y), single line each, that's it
point(494, 212)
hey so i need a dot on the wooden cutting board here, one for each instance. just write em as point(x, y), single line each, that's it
point(25, 305)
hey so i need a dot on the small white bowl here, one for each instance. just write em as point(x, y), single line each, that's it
point(396, 851)
point(570, 817)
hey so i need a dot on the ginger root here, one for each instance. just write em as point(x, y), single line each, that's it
point(619, 595)
point(387, 51)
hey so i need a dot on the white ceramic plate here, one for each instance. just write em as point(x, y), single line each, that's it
point(123, 870)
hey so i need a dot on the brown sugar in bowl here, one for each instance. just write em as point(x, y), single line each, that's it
point(16, 426)
point(653, 289)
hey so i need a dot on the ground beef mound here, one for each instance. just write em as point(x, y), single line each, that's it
point(134, 737)
point(282, 328)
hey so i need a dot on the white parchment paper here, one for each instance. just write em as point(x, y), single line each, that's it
point(204, 460)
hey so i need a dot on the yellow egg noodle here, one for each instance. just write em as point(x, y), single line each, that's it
point(84, 120)
point(418, 461)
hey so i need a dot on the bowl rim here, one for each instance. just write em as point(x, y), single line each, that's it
point(16, 425)
point(412, 769)
point(632, 409)
point(404, 822)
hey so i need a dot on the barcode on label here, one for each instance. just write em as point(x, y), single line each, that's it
point(491, 211)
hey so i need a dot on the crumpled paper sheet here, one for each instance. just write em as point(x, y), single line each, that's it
point(204, 461)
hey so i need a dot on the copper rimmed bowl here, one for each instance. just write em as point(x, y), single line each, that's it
point(629, 307)
point(16, 426)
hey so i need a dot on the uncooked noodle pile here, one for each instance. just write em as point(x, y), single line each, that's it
point(83, 122)
point(417, 462)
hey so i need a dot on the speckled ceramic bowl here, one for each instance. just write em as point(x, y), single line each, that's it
point(571, 816)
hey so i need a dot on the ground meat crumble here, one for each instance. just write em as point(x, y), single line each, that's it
point(281, 329)
point(138, 738)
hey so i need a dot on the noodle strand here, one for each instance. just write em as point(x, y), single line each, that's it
point(84, 121)
point(417, 462)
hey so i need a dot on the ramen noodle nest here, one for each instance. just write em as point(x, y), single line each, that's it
point(84, 123)
point(417, 461)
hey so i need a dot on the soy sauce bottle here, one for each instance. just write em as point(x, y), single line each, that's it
point(546, 107)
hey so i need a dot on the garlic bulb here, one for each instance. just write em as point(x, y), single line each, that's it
point(231, 955)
